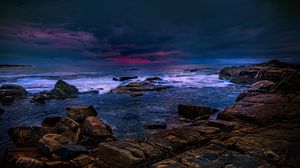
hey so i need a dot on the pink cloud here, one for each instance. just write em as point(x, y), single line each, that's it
point(128, 60)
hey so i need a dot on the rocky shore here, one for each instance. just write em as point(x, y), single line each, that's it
point(260, 130)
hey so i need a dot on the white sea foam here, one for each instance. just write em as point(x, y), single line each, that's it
point(105, 84)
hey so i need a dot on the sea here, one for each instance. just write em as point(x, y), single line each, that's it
point(191, 84)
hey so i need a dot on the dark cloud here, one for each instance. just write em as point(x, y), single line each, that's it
point(134, 31)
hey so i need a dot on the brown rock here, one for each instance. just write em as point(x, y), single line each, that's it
point(26, 162)
point(52, 143)
point(194, 111)
point(96, 128)
point(80, 112)
point(28, 136)
point(82, 160)
point(13, 154)
point(67, 123)
point(50, 121)
point(224, 125)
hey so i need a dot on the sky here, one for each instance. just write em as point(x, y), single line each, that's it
point(100, 32)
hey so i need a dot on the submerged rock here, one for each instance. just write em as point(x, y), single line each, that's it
point(153, 79)
point(28, 136)
point(124, 78)
point(63, 90)
point(80, 112)
point(194, 111)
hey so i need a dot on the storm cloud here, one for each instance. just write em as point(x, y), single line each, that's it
point(152, 31)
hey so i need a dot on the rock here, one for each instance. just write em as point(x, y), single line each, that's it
point(13, 154)
point(94, 127)
point(224, 125)
point(39, 98)
point(52, 143)
point(134, 87)
point(70, 151)
point(1, 110)
point(7, 100)
point(27, 162)
point(28, 136)
point(80, 112)
point(67, 123)
point(155, 126)
point(136, 94)
point(51, 121)
point(274, 71)
point(82, 160)
point(194, 111)
point(124, 78)
point(14, 90)
point(58, 164)
point(153, 79)
point(63, 90)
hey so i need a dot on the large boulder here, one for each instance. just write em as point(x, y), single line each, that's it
point(63, 90)
point(28, 136)
point(9, 92)
point(95, 127)
point(274, 71)
point(67, 123)
point(80, 112)
point(52, 144)
point(194, 111)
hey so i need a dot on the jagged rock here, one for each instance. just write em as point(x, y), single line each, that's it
point(52, 143)
point(274, 71)
point(94, 127)
point(70, 151)
point(27, 162)
point(28, 136)
point(194, 111)
point(51, 121)
point(82, 160)
point(124, 78)
point(67, 123)
point(80, 112)
point(63, 90)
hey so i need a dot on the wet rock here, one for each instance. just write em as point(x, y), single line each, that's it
point(58, 164)
point(80, 112)
point(63, 90)
point(274, 71)
point(82, 160)
point(7, 100)
point(155, 126)
point(94, 127)
point(224, 125)
point(194, 111)
point(67, 123)
point(27, 162)
point(14, 90)
point(134, 87)
point(51, 121)
point(124, 78)
point(28, 136)
point(136, 94)
point(13, 154)
point(70, 151)
point(153, 79)
point(52, 143)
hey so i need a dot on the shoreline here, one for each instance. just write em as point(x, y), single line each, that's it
point(253, 132)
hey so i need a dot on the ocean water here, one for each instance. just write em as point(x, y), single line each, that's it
point(195, 84)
